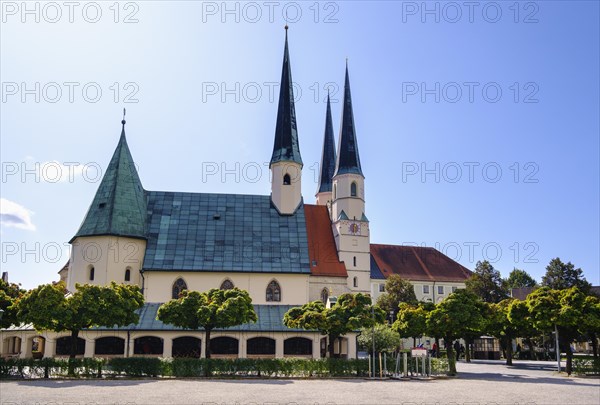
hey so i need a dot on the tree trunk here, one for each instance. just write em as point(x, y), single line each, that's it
point(331, 346)
point(530, 345)
point(594, 338)
point(451, 359)
point(467, 350)
point(414, 342)
point(73, 352)
point(437, 346)
point(569, 359)
point(508, 342)
point(207, 343)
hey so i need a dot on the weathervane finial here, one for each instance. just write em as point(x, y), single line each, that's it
point(123, 122)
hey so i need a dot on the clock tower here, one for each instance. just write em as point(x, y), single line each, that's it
point(349, 222)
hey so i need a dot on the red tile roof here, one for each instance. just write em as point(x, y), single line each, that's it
point(321, 245)
point(417, 263)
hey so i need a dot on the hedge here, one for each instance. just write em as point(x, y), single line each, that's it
point(182, 367)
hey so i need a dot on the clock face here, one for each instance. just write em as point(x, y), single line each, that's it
point(354, 228)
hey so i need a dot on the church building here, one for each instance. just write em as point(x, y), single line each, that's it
point(282, 250)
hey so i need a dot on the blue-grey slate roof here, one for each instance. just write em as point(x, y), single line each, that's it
point(223, 232)
point(376, 273)
point(270, 319)
point(328, 156)
point(348, 159)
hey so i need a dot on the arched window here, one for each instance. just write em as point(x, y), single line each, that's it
point(353, 189)
point(109, 345)
point(286, 180)
point(260, 346)
point(324, 295)
point(334, 191)
point(355, 281)
point(273, 292)
point(354, 261)
point(127, 274)
point(92, 273)
point(297, 346)
point(226, 285)
point(178, 286)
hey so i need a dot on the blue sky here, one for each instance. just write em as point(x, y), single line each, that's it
point(478, 128)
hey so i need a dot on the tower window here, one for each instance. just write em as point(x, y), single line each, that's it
point(353, 189)
point(355, 281)
point(334, 191)
point(92, 271)
point(286, 180)
point(354, 261)
point(128, 274)
point(178, 287)
point(226, 285)
point(273, 292)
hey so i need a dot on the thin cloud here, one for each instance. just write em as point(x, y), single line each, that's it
point(15, 215)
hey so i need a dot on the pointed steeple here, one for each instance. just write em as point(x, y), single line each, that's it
point(119, 206)
point(286, 147)
point(328, 156)
point(348, 160)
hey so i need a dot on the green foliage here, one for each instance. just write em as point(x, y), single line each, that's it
point(386, 340)
point(460, 314)
point(211, 309)
point(487, 283)
point(49, 307)
point(397, 290)
point(183, 367)
point(520, 278)
point(411, 321)
point(560, 276)
point(586, 366)
point(497, 323)
point(350, 312)
point(9, 293)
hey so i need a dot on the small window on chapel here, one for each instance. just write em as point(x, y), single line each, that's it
point(273, 292)
point(354, 261)
point(227, 285)
point(127, 274)
point(286, 180)
point(92, 273)
point(178, 287)
point(324, 295)
point(355, 281)
point(353, 189)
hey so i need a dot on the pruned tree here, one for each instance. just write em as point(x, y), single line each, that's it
point(9, 293)
point(351, 312)
point(590, 325)
point(455, 317)
point(50, 307)
point(498, 324)
point(487, 283)
point(411, 321)
point(211, 309)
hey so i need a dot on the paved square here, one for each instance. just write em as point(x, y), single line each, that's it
point(479, 383)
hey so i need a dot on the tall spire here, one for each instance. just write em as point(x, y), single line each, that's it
point(328, 156)
point(286, 147)
point(119, 206)
point(348, 160)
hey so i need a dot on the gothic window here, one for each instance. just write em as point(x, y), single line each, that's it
point(128, 274)
point(92, 273)
point(324, 295)
point(353, 189)
point(273, 292)
point(355, 281)
point(286, 180)
point(178, 286)
point(226, 285)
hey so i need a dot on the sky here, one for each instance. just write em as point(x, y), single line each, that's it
point(477, 122)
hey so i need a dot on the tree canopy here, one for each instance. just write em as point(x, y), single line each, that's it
point(498, 324)
point(487, 283)
point(211, 309)
point(560, 276)
point(51, 307)
point(9, 293)
point(386, 340)
point(520, 278)
point(411, 321)
point(350, 312)
point(456, 316)
point(397, 290)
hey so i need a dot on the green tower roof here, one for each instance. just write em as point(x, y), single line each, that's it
point(119, 206)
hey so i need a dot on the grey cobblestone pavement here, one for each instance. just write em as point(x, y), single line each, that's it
point(478, 383)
